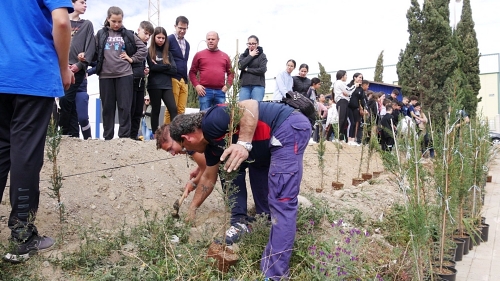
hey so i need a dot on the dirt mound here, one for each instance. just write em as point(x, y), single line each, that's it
point(109, 184)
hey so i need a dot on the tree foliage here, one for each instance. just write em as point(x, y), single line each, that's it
point(467, 45)
point(192, 100)
point(439, 57)
point(326, 80)
point(431, 57)
point(379, 68)
point(408, 67)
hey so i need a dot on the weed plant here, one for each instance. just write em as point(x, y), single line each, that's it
point(53, 146)
point(321, 149)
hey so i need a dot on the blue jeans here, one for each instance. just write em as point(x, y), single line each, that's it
point(284, 177)
point(212, 97)
point(147, 133)
point(252, 92)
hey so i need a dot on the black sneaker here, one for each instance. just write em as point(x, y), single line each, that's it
point(23, 251)
point(234, 233)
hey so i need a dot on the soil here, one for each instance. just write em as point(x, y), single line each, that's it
point(109, 184)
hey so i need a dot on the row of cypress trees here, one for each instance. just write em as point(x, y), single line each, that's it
point(440, 61)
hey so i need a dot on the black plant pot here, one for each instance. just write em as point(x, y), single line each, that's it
point(476, 237)
point(450, 276)
point(485, 228)
point(446, 262)
point(459, 252)
point(467, 241)
point(452, 251)
point(483, 220)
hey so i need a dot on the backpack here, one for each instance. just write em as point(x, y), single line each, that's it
point(302, 103)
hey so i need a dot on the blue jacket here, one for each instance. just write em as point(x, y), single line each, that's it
point(180, 60)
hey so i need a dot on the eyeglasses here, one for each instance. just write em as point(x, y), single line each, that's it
point(251, 44)
point(146, 99)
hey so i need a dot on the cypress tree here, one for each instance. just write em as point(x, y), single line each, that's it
point(326, 80)
point(468, 47)
point(439, 58)
point(192, 100)
point(408, 66)
point(379, 68)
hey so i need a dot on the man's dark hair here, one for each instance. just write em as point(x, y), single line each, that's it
point(184, 124)
point(161, 135)
point(365, 82)
point(413, 98)
point(396, 92)
point(182, 19)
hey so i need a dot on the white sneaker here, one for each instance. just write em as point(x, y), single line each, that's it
point(311, 141)
point(353, 143)
point(234, 233)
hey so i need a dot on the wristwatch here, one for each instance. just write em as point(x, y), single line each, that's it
point(247, 145)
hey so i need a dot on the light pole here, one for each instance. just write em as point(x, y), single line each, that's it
point(198, 47)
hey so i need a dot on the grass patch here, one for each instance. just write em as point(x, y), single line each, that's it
point(148, 252)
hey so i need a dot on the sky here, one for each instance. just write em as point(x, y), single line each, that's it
point(345, 35)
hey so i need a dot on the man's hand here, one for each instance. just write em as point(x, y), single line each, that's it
point(67, 77)
point(146, 71)
point(237, 154)
point(74, 68)
point(224, 89)
point(190, 186)
point(194, 173)
point(200, 90)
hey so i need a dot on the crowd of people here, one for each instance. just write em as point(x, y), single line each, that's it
point(270, 140)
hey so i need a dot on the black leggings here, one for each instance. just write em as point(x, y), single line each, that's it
point(354, 119)
point(156, 96)
point(342, 107)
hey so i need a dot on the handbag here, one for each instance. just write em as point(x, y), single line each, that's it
point(302, 103)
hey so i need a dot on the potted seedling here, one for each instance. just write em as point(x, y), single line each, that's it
point(321, 148)
point(337, 185)
point(223, 255)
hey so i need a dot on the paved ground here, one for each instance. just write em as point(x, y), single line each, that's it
point(483, 262)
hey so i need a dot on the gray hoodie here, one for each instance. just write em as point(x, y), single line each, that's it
point(113, 66)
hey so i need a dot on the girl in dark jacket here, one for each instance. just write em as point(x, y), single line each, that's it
point(117, 49)
point(253, 66)
point(356, 103)
point(161, 69)
point(301, 83)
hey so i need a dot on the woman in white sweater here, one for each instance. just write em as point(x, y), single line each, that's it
point(284, 81)
point(342, 95)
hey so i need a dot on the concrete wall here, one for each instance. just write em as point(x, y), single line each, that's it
point(489, 105)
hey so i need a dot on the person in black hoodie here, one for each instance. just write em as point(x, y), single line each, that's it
point(161, 68)
point(356, 106)
point(140, 71)
point(301, 83)
point(388, 129)
point(253, 66)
